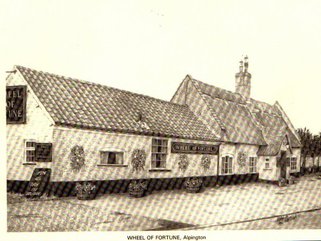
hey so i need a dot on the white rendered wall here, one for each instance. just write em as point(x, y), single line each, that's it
point(95, 141)
point(270, 173)
point(38, 127)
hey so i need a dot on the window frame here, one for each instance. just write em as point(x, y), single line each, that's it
point(227, 166)
point(162, 153)
point(291, 163)
point(253, 168)
point(102, 163)
point(30, 149)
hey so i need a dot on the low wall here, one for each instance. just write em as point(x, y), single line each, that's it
point(64, 189)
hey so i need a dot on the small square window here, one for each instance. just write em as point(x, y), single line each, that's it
point(110, 157)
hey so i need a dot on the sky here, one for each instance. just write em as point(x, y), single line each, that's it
point(148, 47)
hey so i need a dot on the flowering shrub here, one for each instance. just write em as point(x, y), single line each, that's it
point(85, 190)
point(193, 184)
point(77, 158)
point(138, 160)
point(137, 188)
point(241, 159)
point(206, 162)
point(183, 162)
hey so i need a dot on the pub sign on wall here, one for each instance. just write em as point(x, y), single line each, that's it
point(43, 152)
point(194, 148)
point(16, 104)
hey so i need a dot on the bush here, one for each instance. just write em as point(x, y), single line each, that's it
point(137, 188)
point(193, 184)
point(85, 191)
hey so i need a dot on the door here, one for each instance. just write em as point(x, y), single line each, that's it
point(283, 165)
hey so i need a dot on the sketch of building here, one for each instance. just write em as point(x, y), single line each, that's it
point(84, 132)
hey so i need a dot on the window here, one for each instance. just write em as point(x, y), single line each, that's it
point(159, 153)
point(30, 151)
point(293, 164)
point(252, 164)
point(111, 158)
point(227, 164)
point(38, 152)
point(267, 163)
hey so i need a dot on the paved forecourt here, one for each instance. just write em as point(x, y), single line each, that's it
point(217, 205)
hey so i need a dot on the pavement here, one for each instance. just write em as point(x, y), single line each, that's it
point(218, 205)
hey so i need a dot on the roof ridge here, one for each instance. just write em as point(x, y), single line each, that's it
point(261, 102)
point(217, 87)
point(241, 102)
point(286, 119)
point(104, 86)
point(233, 93)
point(116, 114)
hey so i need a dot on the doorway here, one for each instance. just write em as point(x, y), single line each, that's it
point(283, 165)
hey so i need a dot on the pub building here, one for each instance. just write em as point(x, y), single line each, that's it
point(63, 132)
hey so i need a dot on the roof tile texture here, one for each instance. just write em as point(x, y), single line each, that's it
point(72, 102)
point(247, 120)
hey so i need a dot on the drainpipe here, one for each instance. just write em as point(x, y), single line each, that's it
point(218, 163)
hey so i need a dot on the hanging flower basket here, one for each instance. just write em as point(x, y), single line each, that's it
point(85, 191)
point(137, 188)
point(183, 162)
point(241, 159)
point(193, 184)
point(138, 160)
point(206, 162)
point(77, 158)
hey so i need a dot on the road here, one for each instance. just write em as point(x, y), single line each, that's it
point(219, 205)
point(236, 205)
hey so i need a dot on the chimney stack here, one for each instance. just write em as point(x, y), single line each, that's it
point(243, 79)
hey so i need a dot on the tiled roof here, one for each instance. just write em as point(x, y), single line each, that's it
point(247, 120)
point(273, 126)
point(231, 110)
point(271, 149)
point(71, 102)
